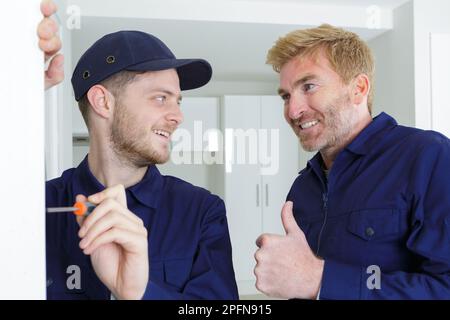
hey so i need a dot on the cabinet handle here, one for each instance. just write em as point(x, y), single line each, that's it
point(267, 194)
point(257, 195)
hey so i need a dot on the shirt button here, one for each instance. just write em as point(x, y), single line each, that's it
point(49, 282)
point(370, 232)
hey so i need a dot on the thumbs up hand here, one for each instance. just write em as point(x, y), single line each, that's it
point(288, 220)
point(286, 267)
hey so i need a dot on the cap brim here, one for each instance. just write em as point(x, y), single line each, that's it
point(193, 73)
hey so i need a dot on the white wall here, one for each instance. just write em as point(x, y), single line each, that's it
point(430, 16)
point(394, 68)
point(403, 84)
point(219, 88)
point(440, 80)
point(22, 230)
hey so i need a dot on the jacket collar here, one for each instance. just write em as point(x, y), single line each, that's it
point(364, 141)
point(147, 191)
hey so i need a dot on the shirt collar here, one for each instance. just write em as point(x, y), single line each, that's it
point(368, 137)
point(364, 141)
point(147, 191)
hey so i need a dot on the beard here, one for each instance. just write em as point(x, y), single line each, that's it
point(132, 143)
point(338, 124)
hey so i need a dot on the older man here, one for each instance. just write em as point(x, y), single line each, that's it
point(369, 217)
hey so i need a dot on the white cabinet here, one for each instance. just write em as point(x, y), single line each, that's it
point(192, 143)
point(201, 115)
point(255, 191)
point(440, 79)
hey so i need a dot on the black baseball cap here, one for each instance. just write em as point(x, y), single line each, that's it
point(134, 51)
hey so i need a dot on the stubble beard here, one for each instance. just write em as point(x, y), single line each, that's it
point(338, 124)
point(130, 143)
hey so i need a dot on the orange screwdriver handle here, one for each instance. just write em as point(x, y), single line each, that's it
point(83, 208)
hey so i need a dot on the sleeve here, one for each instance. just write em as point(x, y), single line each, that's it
point(428, 240)
point(212, 276)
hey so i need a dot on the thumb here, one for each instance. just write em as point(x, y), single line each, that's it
point(80, 198)
point(287, 218)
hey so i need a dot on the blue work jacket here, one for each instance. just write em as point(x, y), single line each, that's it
point(381, 221)
point(188, 239)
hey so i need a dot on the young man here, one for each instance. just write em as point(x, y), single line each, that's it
point(150, 236)
point(369, 217)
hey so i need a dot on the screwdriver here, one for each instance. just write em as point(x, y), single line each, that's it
point(79, 209)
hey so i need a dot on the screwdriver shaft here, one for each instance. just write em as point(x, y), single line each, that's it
point(62, 209)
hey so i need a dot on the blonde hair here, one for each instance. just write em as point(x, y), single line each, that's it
point(348, 55)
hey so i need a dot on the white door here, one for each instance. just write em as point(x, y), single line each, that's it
point(276, 186)
point(243, 194)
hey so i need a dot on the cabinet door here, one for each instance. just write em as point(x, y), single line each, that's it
point(242, 189)
point(276, 183)
point(200, 114)
point(187, 159)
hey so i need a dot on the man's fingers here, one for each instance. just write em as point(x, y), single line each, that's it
point(80, 198)
point(117, 192)
point(112, 220)
point(50, 47)
point(266, 238)
point(130, 241)
point(287, 218)
point(259, 241)
point(104, 208)
point(48, 8)
point(55, 71)
point(47, 29)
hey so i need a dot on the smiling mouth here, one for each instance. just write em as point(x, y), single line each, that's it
point(309, 124)
point(162, 133)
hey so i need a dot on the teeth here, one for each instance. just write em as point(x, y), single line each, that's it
point(162, 133)
point(310, 124)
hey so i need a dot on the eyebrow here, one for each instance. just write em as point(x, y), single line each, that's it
point(299, 82)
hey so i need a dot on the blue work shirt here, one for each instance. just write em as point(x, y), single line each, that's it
point(386, 205)
point(188, 239)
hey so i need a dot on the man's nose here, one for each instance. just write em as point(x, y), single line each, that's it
point(297, 105)
point(175, 115)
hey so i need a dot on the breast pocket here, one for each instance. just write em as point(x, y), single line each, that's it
point(374, 224)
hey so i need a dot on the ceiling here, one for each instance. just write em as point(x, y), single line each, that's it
point(237, 51)
point(361, 3)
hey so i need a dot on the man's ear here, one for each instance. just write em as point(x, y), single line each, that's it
point(101, 100)
point(360, 89)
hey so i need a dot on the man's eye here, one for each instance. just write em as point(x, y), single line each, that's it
point(308, 87)
point(161, 98)
point(285, 97)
